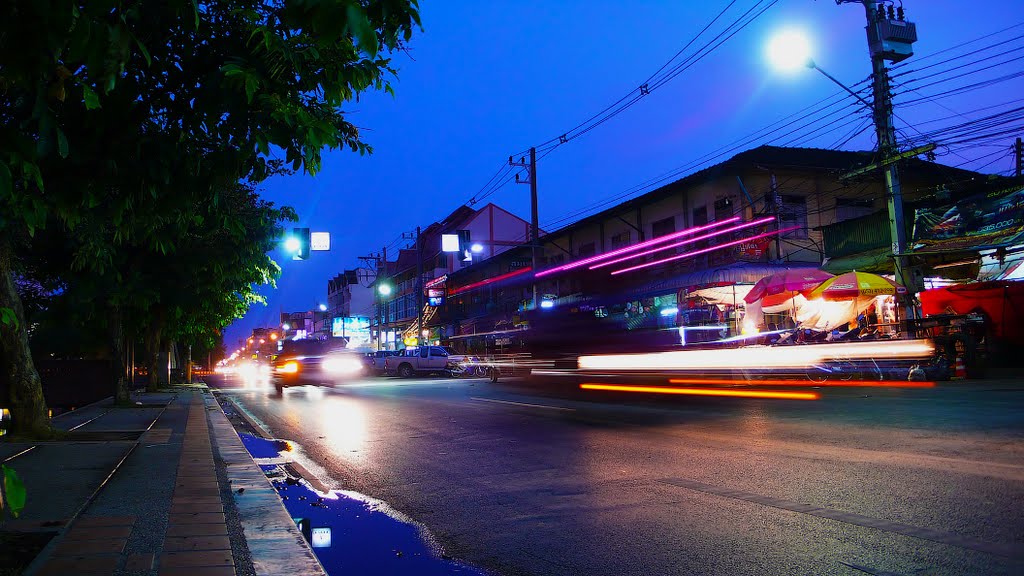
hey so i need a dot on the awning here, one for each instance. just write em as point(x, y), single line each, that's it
point(879, 261)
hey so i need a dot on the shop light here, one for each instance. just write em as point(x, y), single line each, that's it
point(704, 250)
point(669, 311)
point(547, 304)
point(776, 394)
point(750, 224)
point(638, 246)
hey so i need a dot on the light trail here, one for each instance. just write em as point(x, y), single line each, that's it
point(637, 246)
point(705, 250)
point(772, 382)
point(774, 394)
point(755, 357)
point(710, 235)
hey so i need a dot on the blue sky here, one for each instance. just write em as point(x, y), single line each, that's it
point(487, 79)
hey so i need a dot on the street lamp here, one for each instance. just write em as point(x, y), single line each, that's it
point(384, 289)
point(292, 244)
point(323, 307)
point(790, 50)
point(286, 327)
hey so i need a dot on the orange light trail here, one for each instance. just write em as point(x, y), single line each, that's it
point(705, 391)
point(770, 382)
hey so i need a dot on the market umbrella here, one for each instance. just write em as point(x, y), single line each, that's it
point(854, 285)
point(782, 286)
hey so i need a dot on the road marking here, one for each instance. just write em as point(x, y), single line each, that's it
point(522, 404)
point(1013, 551)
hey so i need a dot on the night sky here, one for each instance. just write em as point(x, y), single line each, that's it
point(487, 79)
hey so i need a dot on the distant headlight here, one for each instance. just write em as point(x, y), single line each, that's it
point(342, 365)
point(289, 367)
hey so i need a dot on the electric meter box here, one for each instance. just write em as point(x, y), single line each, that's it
point(892, 39)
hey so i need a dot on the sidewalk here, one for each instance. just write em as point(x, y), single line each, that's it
point(154, 489)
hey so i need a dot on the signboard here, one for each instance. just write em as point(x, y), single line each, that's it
point(449, 242)
point(435, 296)
point(320, 537)
point(355, 328)
point(320, 241)
point(983, 221)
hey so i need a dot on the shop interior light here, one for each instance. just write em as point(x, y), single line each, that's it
point(638, 246)
point(710, 235)
point(669, 311)
point(477, 248)
point(547, 304)
point(705, 250)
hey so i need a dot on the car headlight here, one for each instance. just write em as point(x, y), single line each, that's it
point(341, 365)
point(291, 367)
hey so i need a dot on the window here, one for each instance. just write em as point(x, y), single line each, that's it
point(621, 239)
point(700, 216)
point(588, 249)
point(848, 208)
point(794, 213)
point(724, 208)
point(556, 259)
point(663, 227)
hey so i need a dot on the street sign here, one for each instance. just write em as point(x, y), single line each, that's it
point(320, 241)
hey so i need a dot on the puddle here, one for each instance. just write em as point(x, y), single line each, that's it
point(351, 533)
point(262, 448)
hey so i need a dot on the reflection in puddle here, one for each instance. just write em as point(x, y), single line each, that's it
point(349, 532)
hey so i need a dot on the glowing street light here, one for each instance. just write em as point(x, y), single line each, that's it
point(789, 51)
point(286, 327)
point(384, 289)
point(273, 335)
point(262, 341)
point(323, 307)
point(292, 244)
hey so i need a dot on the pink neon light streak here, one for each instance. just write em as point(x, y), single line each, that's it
point(638, 246)
point(487, 281)
point(703, 250)
point(750, 224)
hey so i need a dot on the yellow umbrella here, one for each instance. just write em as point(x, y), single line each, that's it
point(855, 285)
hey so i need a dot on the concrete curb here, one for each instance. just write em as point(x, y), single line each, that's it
point(275, 542)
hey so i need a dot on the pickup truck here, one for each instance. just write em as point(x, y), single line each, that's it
point(422, 360)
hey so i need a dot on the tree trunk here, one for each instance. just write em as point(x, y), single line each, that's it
point(188, 365)
point(25, 389)
point(153, 343)
point(122, 393)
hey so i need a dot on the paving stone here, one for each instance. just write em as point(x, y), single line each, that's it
point(79, 565)
point(199, 558)
point(196, 508)
point(188, 543)
point(88, 547)
point(197, 518)
point(98, 533)
point(177, 530)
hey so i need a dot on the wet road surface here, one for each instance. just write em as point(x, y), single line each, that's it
point(539, 478)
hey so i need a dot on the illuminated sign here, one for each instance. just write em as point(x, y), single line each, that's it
point(435, 296)
point(449, 242)
point(355, 328)
point(320, 241)
point(320, 537)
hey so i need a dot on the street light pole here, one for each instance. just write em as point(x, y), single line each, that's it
point(886, 133)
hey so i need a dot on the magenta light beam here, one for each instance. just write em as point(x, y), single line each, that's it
point(750, 224)
point(704, 250)
point(638, 246)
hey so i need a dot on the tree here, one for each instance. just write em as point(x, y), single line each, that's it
point(139, 113)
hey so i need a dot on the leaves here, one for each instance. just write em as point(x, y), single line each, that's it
point(92, 100)
point(8, 317)
point(14, 491)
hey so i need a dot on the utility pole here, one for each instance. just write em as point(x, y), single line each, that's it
point(890, 38)
point(776, 205)
point(419, 288)
point(1018, 149)
point(534, 223)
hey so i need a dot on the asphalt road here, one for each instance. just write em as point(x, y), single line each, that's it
point(540, 478)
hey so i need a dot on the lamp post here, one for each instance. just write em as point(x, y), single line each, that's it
point(383, 291)
point(790, 51)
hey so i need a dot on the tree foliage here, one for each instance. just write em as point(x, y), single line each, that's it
point(139, 130)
